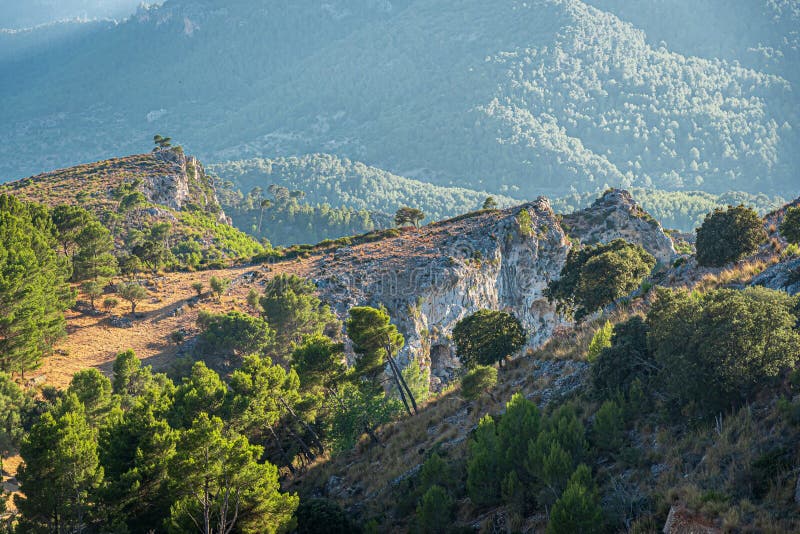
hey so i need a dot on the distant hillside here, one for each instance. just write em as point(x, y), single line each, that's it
point(131, 195)
point(29, 13)
point(517, 98)
point(339, 182)
point(679, 210)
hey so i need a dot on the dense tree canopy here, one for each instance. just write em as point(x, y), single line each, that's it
point(487, 337)
point(33, 288)
point(790, 226)
point(596, 276)
point(728, 235)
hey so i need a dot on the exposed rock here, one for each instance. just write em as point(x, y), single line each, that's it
point(120, 322)
point(681, 521)
point(187, 183)
point(784, 276)
point(431, 278)
point(616, 215)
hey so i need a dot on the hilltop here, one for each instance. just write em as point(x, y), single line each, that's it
point(134, 193)
point(550, 95)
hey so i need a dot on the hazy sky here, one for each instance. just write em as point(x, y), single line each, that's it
point(26, 13)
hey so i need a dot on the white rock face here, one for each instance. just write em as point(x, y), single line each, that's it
point(431, 278)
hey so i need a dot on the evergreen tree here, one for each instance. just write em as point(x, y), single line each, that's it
point(290, 305)
point(94, 259)
point(596, 276)
point(728, 235)
point(435, 512)
point(69, 221)
point(484, 464)
point(33, 288)
point(219, 484)
point(376, 342)
point(578, 510)
point(133, 293)
point(407, 215)
point(487, 336)
point(790, 226)
point(61, 471)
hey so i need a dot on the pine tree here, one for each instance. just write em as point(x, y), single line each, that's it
point(220, 485)
point(33, 288)
point(94, 259)
point(578, 510)
point(61, 471)
point(485, 464)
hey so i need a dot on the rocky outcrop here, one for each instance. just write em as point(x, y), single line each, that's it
point(682, 521)
point(185, 183)
point(784, 276)
point(429, 279)
point(616, 215)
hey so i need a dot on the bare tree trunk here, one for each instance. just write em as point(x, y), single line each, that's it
point(401, 382)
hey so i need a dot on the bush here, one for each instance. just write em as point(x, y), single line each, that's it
point(719, 349)
point(626, 360)
point(594, 277)
point(790, 226)
point(233, 334)
point(729, 235)
point(219, 285)
point(478, 381)
point(435, 511)
point(487, 336)
point(323, 516)
point(600, 341)
point(609, 427)
point(578, 508)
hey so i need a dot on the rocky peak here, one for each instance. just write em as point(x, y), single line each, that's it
point(617, 215)
point(181, 181)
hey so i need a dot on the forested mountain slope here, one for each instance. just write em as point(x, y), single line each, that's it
point(517, 98)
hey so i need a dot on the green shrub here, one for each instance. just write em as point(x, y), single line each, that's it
point(729, 235)
point(790, 226)
point(435, 511)
point(594, 277)
point(323, 516)
point(609, 427)
point(600, 341)
point(478, 381)
point(578, 509)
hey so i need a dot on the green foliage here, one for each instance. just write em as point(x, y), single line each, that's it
point(596, 276)
point(290, 305)
point(319, 361)
point(487, 336)
point(323, 516)
point(198, 288)
point(626, 360)
point(600, 340)
point(406, 215)
point(718, 349)
point(489, 204)
point(525, 223)
point(233, 335)
point(61, 470)
point(33, 288)
point(609, 427)
point(790, 226)
point(728, 235)
point(133, 293)
point(478, 381)
point(435, 511)
point(13, 403)
point(219, 285)
point(578, 508)
point(418, 379)
point(219, 483)
point(357, 412)
point(484, 464)
point(93, 390)
point(94, 259)
point(202, 392)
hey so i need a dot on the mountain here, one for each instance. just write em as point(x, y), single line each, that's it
point(516, 98)
point(340, 182)
point(16, 15)
point(134, 194)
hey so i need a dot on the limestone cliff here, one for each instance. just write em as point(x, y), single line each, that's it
point(430, 278)
point(616, 215)
point(184, 183)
